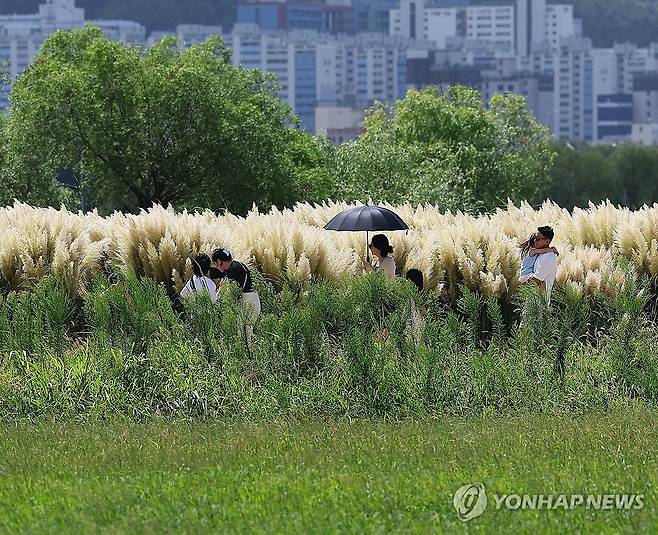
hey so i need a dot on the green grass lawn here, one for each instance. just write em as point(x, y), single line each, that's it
point(323, 477)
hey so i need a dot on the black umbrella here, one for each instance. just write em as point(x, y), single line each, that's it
point(366, 218)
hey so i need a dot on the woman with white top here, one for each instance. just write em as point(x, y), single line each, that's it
point(200, 282)
point(381, 250)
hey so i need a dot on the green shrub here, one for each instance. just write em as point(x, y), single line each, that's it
point(131, 314)
point(38, 320)
point(345, 350)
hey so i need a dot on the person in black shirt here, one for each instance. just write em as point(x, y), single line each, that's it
point(225, 268)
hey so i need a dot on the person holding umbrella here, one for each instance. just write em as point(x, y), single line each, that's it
point(381, 249)
point(368, 218)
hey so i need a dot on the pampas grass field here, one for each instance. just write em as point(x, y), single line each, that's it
point(340, 412)
point(480, 252)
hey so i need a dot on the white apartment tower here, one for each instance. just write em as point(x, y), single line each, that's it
point(530, 25)
point(521, 26)
point(319, 70)
point(410, 19)
point(560, 24)
point(60, 14)
point(493, 24)
point(21, 36)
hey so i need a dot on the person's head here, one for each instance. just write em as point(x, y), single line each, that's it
point(416, 276)
point(544, 237)
point(379, 246)
point(222, 259)
point(540, 239)
point(201, 264)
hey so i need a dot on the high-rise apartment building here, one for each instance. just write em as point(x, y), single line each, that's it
point(559, 24)
point(318, 69)
point(21, 36)
point(530, 25)
point(344, 55)
point(645, 98)
point(332, 16)
point(521, 26)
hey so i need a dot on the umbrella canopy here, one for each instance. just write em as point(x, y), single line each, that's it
point(366, 218)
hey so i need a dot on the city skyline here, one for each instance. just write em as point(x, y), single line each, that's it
point(334, 59)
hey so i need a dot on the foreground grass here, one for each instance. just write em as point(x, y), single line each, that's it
point(323, 477)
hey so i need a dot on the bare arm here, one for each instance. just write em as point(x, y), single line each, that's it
point(535, 252)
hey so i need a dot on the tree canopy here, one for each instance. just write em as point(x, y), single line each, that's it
point(156, 125)
point(449, 149)
point(625, 174)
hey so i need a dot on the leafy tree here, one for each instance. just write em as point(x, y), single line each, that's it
point(158, 125)
point(447, 149)
point(637, 169)
point(626, 174)
point(3, 147)
point(581, 175)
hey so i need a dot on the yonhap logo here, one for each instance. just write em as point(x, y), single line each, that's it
point(470, 501)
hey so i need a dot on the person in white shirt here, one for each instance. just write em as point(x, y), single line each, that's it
point(200, 282)
point(545, 267)
point(530, 255)
point(381, 249)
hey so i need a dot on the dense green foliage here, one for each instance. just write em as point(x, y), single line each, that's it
point(324, 476)
point(186, 128)
point(450, 150)
point(625, 174)
point(332, 350)
point(190, 129)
